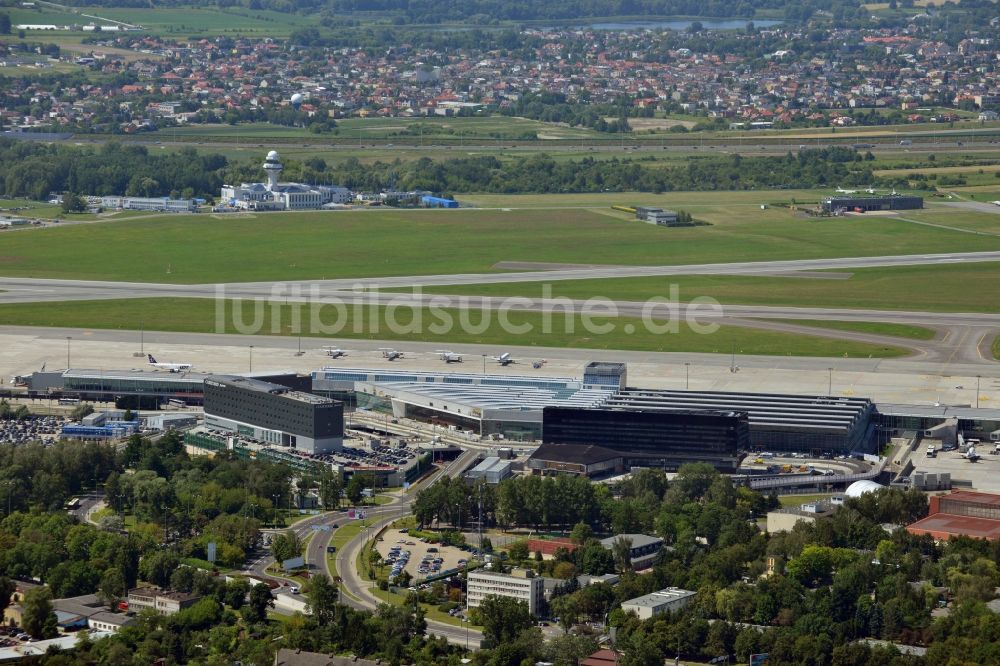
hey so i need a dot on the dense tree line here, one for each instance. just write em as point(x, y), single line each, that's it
point(541, 173)
point(33, 170)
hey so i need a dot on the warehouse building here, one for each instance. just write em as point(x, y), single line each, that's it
point(587, 460)
point(274, 414)
point(493, 469)
point(778, 422)
point(164, 204)
point(658, 216)
point(438, 202)
point(961, 513)
point(670, 600)
point(657, 438)
point(519, 584)
point(872, 203)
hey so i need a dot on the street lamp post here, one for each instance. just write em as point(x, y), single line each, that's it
point(251, 358)
point(829, 382)
point(68, 341)
point(978, 380)
point(687, 376)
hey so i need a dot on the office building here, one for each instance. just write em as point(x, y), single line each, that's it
point(643, 549)
point(600, 374)
point(162, 601)
point(653, 438)
point(519, 584)
point(274, 414)
point(961, 513)
point(671, 600)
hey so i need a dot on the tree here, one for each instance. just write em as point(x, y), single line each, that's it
point(73, 203)
point(581, 534)
point(286, 546)
point(112, 587)
point(39, 619)
point(323, 598)
point(7, 588)
point(503, 619)
point(331, 488)
point(567, 610)
point(621, 549)
point(260, 600)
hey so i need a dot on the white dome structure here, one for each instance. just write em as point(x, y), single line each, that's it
point(272, 156)
point(297, 100)
point(859, 488)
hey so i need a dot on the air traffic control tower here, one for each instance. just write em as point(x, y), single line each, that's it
point(273, 168)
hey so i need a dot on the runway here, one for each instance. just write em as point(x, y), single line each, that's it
point(962, 339)
point(20, 290)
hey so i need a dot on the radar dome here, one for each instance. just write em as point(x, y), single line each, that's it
point(297, 100)
point(272, 156)
point(859, 488)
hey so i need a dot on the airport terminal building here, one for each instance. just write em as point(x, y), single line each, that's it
point(653, 438)
point(274, 414)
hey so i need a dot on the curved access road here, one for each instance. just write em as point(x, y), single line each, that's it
point(357, 591)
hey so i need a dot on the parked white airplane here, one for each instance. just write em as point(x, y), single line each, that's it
point(841, 190)
point(504, 359)
point(172, 367)
point(449, 357)
point(390, 354)
point(334, 352)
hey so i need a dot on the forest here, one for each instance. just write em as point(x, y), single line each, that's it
point(34, 170)
point(818, 595)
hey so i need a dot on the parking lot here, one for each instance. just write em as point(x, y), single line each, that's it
point(401, 552)
point(44, 428)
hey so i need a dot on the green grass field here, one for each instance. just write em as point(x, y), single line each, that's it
point(875, 328)
point(185, 21)
point(404, 324)
point(278, 246)
point(937, 288)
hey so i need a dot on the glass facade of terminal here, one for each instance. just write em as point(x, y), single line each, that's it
point(660, 439)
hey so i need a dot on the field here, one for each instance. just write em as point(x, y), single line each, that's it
point(404, 324)
point(875, 328)
point(939, 288)
point(182, 21)
point(285, 246)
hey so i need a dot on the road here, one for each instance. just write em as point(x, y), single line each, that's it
point(358, 590)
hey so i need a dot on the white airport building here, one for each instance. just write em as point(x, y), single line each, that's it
point(519, 584)
point(275, 195)
point(165, 204)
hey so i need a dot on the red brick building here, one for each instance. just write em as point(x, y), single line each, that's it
point(961, 513)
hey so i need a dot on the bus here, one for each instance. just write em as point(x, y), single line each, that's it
point(73, 504)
